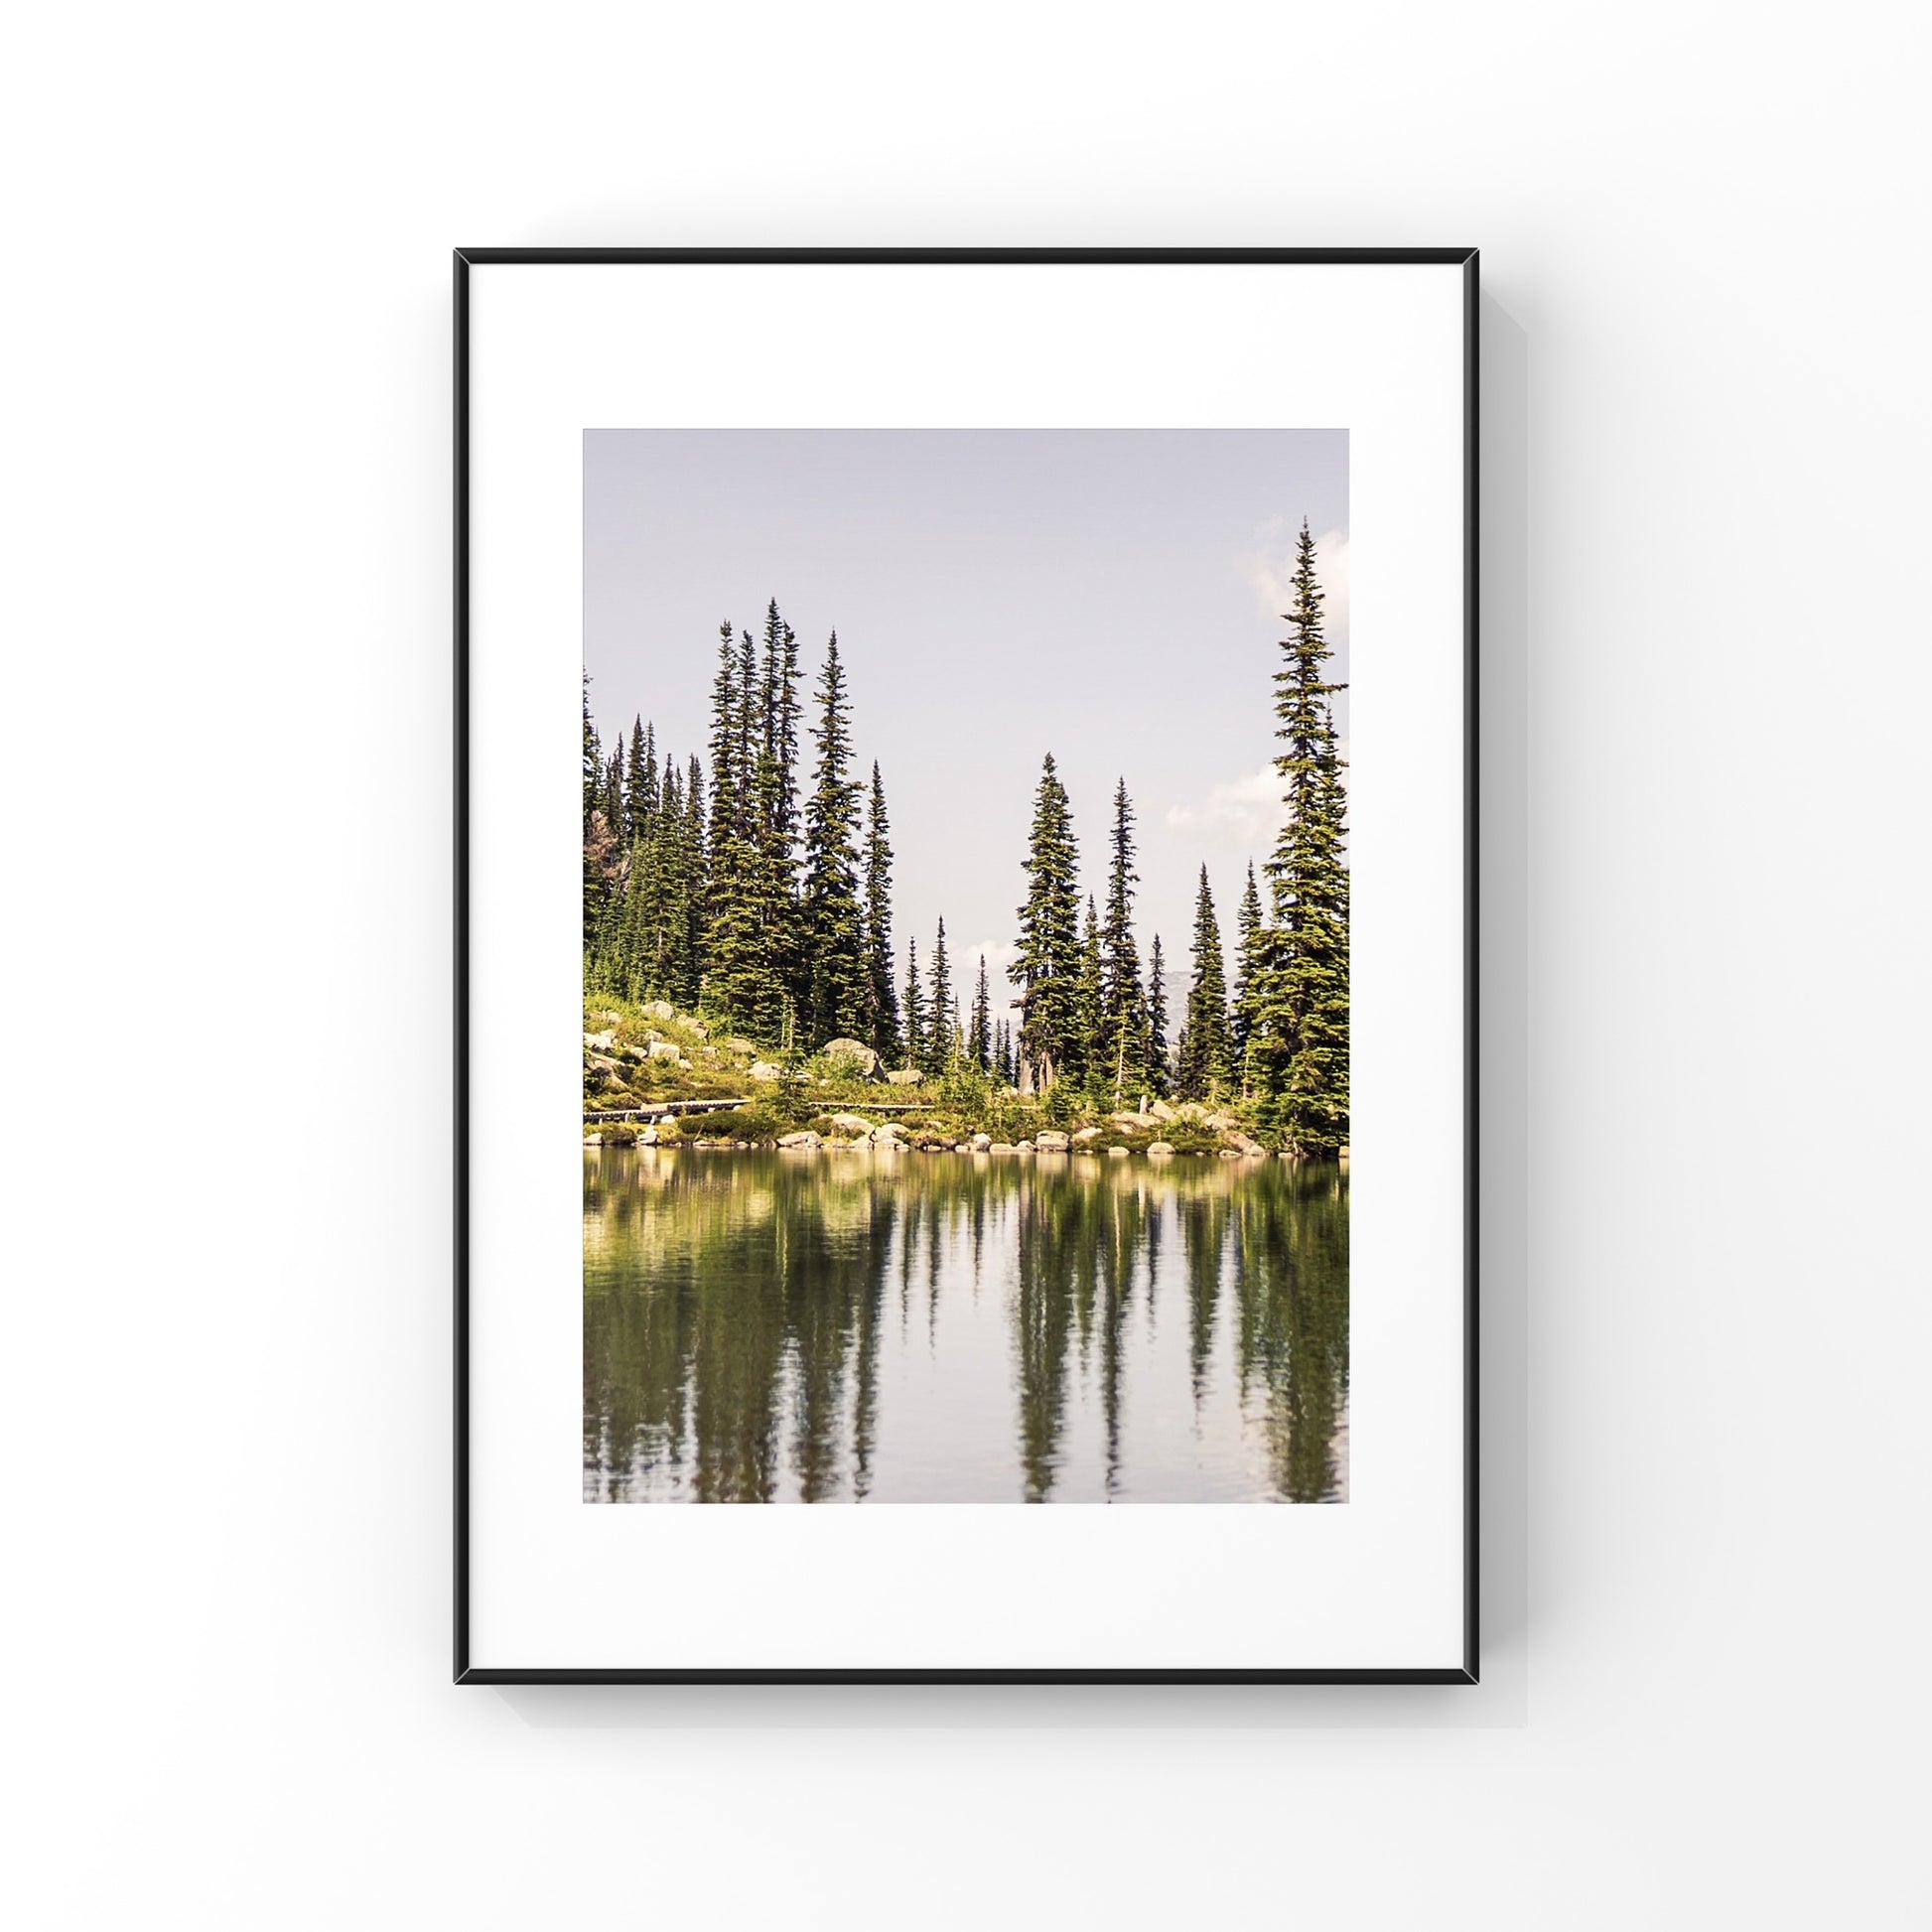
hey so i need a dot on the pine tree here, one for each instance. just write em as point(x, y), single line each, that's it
point(979, 1042)
point(748, 928)
point(834, 926)
point(614, 791)
point(1247, 976)
point(882, 1033)
point(914, 1008)
point(782, 719)
point(1205, 1067)
point(640, 799)
point(691, 940)
point(1298, 1049)
point(593, 761)
point(1087, 1061)
point(1049, 960)
point(593, 796)
point(1159, 1078)
point(1121, 1045)
point(941, 1023)
point(725, 744)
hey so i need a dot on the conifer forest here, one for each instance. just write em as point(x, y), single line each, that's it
point(741, 894)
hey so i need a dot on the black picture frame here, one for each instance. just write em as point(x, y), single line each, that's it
point(465, 1671)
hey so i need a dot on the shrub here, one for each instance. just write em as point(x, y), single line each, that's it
point(737, 1124)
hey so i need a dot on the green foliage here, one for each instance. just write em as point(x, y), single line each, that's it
point(1120, 1030)
point(1297, 1046)
point(914, 1012)
point(881, 1024)
point(941, 1021)
point(734, 1124)
point(1206, 1068)
point(834, 989)
point(1050, 957)
point(979, 1039)
point(1158, 1076)
point(715, 897)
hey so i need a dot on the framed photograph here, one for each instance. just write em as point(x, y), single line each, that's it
point(965, 966)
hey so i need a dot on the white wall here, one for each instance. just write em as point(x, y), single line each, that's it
point(225, 1401)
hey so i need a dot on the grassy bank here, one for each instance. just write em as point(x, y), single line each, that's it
point(644, 1057)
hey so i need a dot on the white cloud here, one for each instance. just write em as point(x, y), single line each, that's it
point(1271, 569)
point(1245, 813)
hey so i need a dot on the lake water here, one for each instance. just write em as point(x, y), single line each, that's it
point(907, 1327)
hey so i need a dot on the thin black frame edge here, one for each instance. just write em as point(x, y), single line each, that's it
point(1469, 261)
point(460, 1004)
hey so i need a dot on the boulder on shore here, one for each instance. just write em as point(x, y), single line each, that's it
point(1022, 1147)
point(806, 1139)
point(1051, 1141)
point(851, 1056)
point(1162, 1111)
point(764, 1070)
point(1087, 1134)
point(852, 1122)
point(1118, 1152)
point(1001, 1147)
point(892, 1134)
point(1160, 1147)
point(981, 1143)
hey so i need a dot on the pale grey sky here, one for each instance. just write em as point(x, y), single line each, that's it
point(1110, 595)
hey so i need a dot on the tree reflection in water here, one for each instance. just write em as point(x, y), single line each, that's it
point(817, 1327)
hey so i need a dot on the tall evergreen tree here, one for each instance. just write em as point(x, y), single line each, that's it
point(725, 744)
point(915, 1047)
point(1207, 1065)
point(592, 799)
point(614, 791)
point(941, 1019)
point(979, 1042)
point(780, 683)
point(640, 798)
point(1247, 978)
point(1299, 1047)
point(1047, 964)
point(834, 926)
point(696, 924)
point(1122, 1042)
point(1160, 1078)
point(593, 761)
point(748, 938)
point(1091, 1010)
point(882, 1031)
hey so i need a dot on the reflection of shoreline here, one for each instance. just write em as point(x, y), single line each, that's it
point(1076, 1330)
